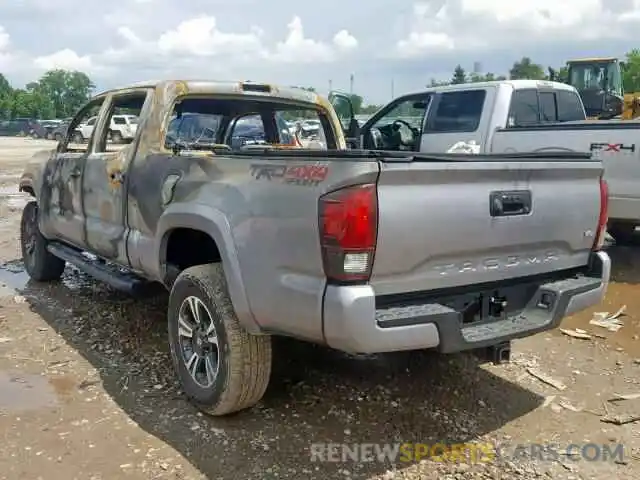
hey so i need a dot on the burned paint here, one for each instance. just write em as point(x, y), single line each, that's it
point(112, 202)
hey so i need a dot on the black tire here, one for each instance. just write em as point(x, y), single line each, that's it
point(57, 137)
point(41, 265)
point(243, 359)
point(77, 138)
point(116, 137)
point(623, 233)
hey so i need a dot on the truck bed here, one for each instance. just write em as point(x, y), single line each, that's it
point(415, 251)
point(437, 222)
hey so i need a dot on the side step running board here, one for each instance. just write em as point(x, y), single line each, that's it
point(101, 271)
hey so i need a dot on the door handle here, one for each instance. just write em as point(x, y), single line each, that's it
point(506, 204)
point(75, 173)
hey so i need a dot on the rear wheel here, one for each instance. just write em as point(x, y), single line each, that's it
point(39, 263)
point(221, 367)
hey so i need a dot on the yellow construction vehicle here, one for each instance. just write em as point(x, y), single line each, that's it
point(599, 83)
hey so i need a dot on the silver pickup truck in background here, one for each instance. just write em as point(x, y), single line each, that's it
point(505, 117)
point(364, 251)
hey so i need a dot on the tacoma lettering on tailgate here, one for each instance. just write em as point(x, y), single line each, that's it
point(495, 263)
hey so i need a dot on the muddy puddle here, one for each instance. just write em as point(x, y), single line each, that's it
point(623, 291)
point(627, 337)
point(14, 280)
point(20, 391)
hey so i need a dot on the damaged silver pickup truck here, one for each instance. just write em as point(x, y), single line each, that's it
point(363, 251)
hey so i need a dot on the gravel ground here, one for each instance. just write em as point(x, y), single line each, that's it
point(87, 390)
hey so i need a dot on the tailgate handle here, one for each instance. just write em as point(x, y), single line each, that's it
point(507, 204)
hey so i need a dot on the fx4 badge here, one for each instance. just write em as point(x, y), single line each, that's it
point(612, 147)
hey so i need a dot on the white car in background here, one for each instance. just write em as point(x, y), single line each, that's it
point(123, 128)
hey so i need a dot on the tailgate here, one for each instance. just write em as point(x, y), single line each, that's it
point(437, 229)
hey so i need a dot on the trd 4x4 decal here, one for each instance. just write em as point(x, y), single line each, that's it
point(307, 175)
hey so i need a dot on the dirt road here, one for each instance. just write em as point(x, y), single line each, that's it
point(87, 390)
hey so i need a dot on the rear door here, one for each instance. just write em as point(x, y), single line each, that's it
point(104, 181)
point(438, 227)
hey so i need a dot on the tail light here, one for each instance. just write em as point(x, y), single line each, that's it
point(348, 232)
point(604, 215)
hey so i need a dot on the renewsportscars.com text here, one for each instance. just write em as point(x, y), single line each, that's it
point(465, 452)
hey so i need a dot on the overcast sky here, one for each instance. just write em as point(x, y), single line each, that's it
point(305, 43)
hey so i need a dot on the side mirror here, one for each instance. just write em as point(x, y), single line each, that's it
point(343, 106)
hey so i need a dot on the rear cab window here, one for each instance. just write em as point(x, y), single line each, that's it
point(569, 106)
point(243, 123)
point(524, 110)
point(548, 110)
point(532, 106)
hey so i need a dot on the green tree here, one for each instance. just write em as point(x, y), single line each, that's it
point(459, 75)
point(67, 90)
point(485, 77)
point(526, 69)
point(5, 97)
point(22, 104)
point(42, 104)
point(631, 71)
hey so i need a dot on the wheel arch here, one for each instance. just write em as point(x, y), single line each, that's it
point(213, 223)
point(27, 187)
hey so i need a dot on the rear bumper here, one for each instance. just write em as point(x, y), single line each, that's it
point(353, 324)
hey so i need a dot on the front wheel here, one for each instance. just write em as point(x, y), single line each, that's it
point(222, 368)
point(39, 263)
